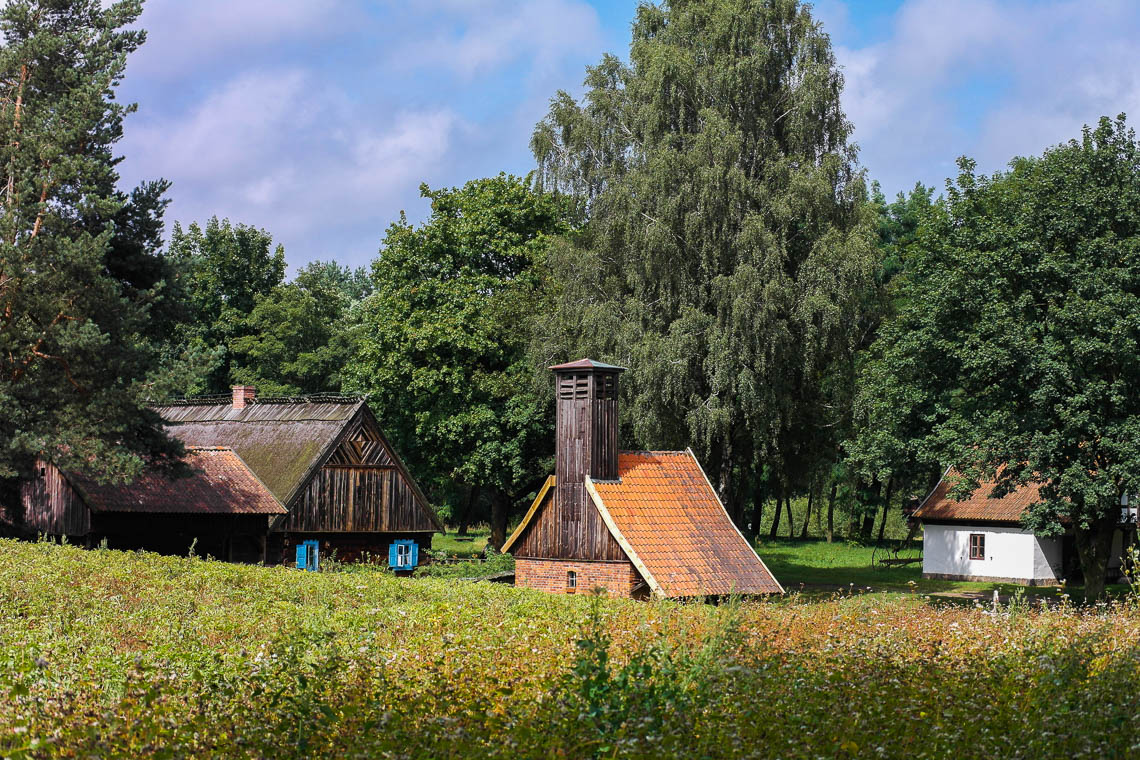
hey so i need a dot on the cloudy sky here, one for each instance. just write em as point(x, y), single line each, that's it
point(319, 119)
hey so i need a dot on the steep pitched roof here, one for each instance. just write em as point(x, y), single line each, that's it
point(667, 517)
point(585, 364)
point(281, 441)
point(979, 507)
point(220, 484)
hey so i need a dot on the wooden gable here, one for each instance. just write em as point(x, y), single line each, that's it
point(555, 530)
point(361, 485)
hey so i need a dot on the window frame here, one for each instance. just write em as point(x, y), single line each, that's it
point(571, 581)
point(977, 546)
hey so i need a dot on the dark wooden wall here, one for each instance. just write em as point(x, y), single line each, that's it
point(359, 488)
point(586, 427)
point(568, 531)
point(51, 505)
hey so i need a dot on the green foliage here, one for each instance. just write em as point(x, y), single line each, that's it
point(492, 564)
point(129, 655)
point(84, 293)
point(226, 270)
point(728, 243)
point(442, 340)
point(299, 336)
point(1015, 352)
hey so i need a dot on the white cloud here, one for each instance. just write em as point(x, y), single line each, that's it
point(987, 79)
point(319, 119)
point(278, 150)
point(481, 36)
point(207, 34)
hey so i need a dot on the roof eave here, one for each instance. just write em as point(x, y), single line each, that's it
point(728, 517)
point(550, 483)
point(654, 587)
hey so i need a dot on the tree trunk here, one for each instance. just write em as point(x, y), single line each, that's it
point(757, 508)
point(775, 519)
point(724, 486)
point(807, 517)
point(500, 509)
point(869, 514)
point(831, 512)
point(886, 507)
point(1094, 547)
point(791, 520)
point(818, 511)
point(468, 507)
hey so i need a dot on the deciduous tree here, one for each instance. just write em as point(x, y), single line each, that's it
point(443, 339)
point(728, 240)
point(1016, 353)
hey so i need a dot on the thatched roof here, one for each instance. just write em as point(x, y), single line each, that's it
point(218, 483)
point(282, 441)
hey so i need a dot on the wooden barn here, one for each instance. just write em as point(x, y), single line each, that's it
point(636, 523)
point(346, 491)
point(279, 480)
point(217, 505)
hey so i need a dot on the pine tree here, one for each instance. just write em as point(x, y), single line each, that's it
point(83, 289)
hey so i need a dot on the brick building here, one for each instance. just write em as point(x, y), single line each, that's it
point(636, 523)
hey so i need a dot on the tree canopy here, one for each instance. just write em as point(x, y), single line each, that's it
point(84, 291)
point(727, 241)
point(442, 347)
point(226, 268)
point(1015, 353)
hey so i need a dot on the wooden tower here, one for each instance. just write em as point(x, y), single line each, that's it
point(586, 431)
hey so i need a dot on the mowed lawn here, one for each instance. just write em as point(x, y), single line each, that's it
point(817, 568)
point(115, 654)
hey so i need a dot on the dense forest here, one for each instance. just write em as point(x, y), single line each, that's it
point(699, 216)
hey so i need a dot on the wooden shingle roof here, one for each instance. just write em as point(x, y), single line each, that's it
point(978, 507)
point(668, 519)
point(220, 483)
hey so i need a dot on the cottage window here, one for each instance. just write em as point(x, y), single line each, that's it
point(571, 580)
point(403, 555)
point(977, 546)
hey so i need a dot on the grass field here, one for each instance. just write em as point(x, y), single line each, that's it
point(471, 545)
point(110, 654)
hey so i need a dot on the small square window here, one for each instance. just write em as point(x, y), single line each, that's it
point(571, 580)
point(977, 546)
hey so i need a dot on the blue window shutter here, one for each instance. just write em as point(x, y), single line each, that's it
point(393, 562)
point(415, 554)
point(302, 556)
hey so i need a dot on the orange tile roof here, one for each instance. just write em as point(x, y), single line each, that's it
point(220, 483)
point(940, 505)
point(675, 529)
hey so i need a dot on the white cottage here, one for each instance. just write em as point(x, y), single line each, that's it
point(981, 539)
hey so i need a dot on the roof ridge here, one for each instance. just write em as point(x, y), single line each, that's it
point(226, 399)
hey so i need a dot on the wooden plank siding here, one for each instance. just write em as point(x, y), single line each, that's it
point(359, 488)
point(568, 531)
point(51, 505)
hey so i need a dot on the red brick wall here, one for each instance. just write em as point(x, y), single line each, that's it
point(617, 578)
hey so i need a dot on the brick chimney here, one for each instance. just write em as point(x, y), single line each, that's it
point(243, 395)
point(586, 428)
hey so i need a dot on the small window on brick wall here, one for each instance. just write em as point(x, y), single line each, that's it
point(977, 546)
point(571, 581)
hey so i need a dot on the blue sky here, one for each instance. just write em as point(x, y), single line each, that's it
point(319, 119)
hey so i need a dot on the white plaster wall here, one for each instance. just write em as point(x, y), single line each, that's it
point(1010, 553)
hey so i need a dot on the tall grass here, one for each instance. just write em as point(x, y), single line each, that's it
point(110, 654)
